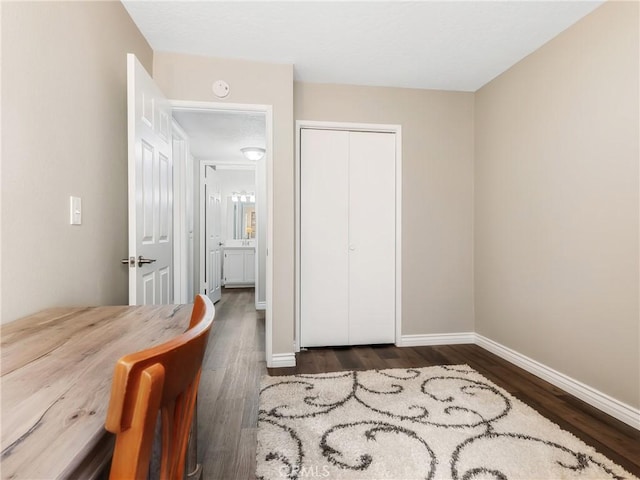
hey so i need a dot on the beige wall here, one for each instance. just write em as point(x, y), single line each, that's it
point(437, 192)
point(556, 204)
point(64, 133)
point(187, 77)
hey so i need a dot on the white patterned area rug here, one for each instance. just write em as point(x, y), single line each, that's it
point(445, 422)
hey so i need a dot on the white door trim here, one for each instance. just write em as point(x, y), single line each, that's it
point(354, 127)
point(186, 105)
point(180, 270)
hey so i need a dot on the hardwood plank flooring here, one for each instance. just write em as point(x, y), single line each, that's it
point(234, 364)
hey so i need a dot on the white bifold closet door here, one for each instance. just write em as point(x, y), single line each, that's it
point(347, 237)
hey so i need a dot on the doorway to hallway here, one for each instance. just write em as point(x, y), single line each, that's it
point(229, 193)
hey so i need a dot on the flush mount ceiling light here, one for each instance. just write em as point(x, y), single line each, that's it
point(253, 153)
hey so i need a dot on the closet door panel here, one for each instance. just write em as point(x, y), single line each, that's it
point(324, 261)
point(372, 237)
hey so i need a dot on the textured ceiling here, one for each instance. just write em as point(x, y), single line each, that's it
point(220, 135)
point(450, 45)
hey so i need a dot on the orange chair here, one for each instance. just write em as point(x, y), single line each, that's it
point(163, 378)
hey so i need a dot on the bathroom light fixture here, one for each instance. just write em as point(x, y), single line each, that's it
point(243, 197)
point(253, 153)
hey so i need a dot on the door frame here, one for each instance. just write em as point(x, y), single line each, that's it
point(352, 127)
point(180, 227)
point(233, 165)
point(187, 105)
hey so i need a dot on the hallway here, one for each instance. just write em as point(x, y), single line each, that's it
point(228, 395)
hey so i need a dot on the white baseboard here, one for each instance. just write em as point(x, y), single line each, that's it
point(617, 409)
point(279, 360)
point(602, 401)
point(261, 305)
point(436, 339)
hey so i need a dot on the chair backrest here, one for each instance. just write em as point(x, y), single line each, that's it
point(160, 379)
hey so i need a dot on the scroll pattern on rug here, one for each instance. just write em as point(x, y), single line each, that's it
point(444, 422)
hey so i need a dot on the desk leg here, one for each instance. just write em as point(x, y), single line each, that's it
point(194, 469)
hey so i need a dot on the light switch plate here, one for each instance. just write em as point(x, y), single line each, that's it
point(75, 210)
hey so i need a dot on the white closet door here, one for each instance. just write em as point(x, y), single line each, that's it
point(372, 239)
point(324, 236)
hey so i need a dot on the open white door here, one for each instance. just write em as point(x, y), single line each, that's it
point(213, 225)
point(150, 189)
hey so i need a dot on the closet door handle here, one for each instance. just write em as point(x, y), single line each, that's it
point(352, 247)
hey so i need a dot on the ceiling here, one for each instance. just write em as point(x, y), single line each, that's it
point(446, 45)
point(220, 135)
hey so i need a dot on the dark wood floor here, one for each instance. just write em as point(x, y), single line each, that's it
point(228, 399)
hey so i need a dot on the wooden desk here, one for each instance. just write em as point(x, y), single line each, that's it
point(56, 369)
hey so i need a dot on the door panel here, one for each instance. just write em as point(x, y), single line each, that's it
point(165, 204)
point(324, 233)
point(372, 237)
point(147, 218)
point(213, 277)
point(150, 189)
point(148, 289)
point(164, 275)
point(218, 269)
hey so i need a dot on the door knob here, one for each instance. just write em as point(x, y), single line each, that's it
point(352, 247)
point(142, 260)
point(131, 261)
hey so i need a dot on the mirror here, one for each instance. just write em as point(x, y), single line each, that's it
point(244, 219)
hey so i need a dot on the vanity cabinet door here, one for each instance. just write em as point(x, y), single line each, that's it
point(233, 266)
point(249, 266)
